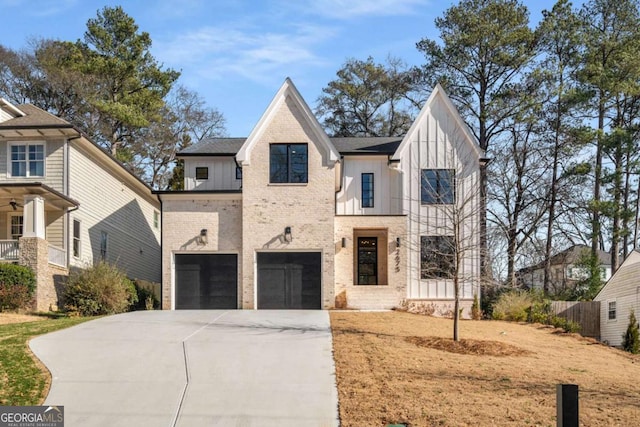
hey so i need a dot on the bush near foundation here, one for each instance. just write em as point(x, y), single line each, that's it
point(631, 338)
point(100, 289)
point(17, 285)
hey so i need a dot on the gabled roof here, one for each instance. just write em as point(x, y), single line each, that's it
point(438, 93)
point(629, 267)
point(345, 145)
point(287, 90)
point(34, 117)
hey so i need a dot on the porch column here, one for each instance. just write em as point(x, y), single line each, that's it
point(34, 217)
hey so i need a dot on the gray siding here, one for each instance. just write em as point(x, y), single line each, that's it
point(109, 203)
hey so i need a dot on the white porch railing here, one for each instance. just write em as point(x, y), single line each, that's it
point(57, 256)
point(9, 250)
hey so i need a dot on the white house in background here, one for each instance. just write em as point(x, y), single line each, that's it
point(618, 297)
point(292, 218)
point(66, 203)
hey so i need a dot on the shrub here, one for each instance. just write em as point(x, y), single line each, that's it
point(146, 298)
point(101, 289)
point(17, 285)
point(540, 312)
point(631, 338)
point(512, 305)
point(476, 313)
point(562, 323)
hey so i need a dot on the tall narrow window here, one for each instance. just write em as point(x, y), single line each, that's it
point(238, 172)
point(104, 241)
point(288, 163)
point(76, 238)
point(367, 190)
point(612, 310)
point(156, 219)
point(16, 226)
point(367, 260)
point(27, 160)
point(437, 186)
point(437, 257)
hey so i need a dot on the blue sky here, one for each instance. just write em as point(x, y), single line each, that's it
point(237, 53)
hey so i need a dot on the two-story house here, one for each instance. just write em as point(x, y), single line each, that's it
point(289, 217)
point(65, 203)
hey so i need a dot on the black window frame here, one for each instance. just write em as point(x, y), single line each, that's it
point(200, 169)
point(77, 248)
point(282, 166)
point(370, 252)
point(437, 186)
point(437, 257)
point(367, 195)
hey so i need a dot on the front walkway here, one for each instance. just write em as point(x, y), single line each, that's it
point(194, 368)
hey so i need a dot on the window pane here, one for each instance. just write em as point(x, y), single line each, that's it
point(278, 158)
point(202, 173)
point(36, 152)
point(18, 152)
point(445, 187)
point(36, 168)
point(298, 156)
point(437, 257)
point(437, 186)
point(76, 238)
point(367, 190)
point(18, 168)
point(16, 226)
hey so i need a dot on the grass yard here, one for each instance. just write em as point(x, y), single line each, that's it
point(395, 367)
point(23, 379)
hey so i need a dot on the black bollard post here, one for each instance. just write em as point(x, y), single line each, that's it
point(567, 405)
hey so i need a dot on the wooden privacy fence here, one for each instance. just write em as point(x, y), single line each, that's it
point(586, 314)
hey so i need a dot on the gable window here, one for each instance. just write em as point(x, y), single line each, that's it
point(437, 257)
point(611, 309)
point(288, 163)
point(27, 160)
point(437, 186)
point(76, 238)
point(367, 190)
point(238, 172)
point(202, 173)
point(367, 260)
point(104, 240)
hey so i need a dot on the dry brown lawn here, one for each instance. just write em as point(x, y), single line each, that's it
point(395, 367)
point(6, 318)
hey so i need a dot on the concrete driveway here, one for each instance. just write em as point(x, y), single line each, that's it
point(194, 368)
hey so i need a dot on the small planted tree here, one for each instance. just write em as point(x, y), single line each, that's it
point(631, 338)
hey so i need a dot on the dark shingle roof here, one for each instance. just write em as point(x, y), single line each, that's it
point(571, 255)
point(35, 117)
point(350, 145)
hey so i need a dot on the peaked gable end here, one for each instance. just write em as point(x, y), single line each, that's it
point(287, 93)
point(437, 98)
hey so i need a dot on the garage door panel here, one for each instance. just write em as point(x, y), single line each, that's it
point(289, 280)
point(206, 281)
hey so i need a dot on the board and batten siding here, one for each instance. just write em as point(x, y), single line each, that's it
point(624, 289)
point(222, 174)
point(53, 168)
point(386, 187)
point(110, 202)
point(439, 142)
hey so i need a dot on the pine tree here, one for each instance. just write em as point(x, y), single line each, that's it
point(631, 338)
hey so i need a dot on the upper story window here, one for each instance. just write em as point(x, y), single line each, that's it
point(288, 163)
point(437, 186)
point(202, 173)
point(27, 160)
point(367, 190)
point(156, 219)
point(238, 172)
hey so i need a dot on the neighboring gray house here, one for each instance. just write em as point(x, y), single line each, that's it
point(291, 218)
point(566, 270)
point(65, 203)
point(618, 297)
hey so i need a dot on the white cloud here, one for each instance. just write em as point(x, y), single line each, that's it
point(219, 53)
point(348, 9)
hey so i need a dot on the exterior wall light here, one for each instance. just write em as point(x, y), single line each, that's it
point(287, 235)
point(202, 238)
point(344, 242)
point(397, 242)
